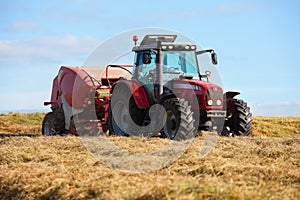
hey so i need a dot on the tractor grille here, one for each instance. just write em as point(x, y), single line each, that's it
point(214, 97)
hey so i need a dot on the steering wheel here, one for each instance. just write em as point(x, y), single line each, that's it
point(172, 70)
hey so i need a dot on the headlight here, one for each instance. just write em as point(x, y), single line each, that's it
point(210, 102)
point(219, 102)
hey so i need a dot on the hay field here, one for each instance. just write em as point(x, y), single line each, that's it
point(265, 166)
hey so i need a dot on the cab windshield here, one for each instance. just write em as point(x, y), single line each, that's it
point(180, 62)
point(174, 65)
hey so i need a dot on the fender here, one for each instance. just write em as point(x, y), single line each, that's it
point(137, 90)
point(230, 94)
point(166, 96)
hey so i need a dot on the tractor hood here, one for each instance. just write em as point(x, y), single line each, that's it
point(194, 84)
point(209, 95)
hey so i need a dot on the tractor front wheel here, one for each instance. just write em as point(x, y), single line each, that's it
point(179, 123)
point(238, 120)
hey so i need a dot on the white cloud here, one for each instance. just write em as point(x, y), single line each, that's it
point(47, 48)
point(285, 108)
point(233, 9)
point(23, 26)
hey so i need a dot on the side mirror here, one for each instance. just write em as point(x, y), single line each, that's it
point(146, 58)
point(214, 58)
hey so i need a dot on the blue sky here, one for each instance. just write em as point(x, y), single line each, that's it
point(257, 44)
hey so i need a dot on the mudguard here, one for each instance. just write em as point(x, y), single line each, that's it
point(230, 94)
point(137, 90)
point(166, 96)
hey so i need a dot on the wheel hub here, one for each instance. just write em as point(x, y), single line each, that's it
point(121, 118)
point(171, 123)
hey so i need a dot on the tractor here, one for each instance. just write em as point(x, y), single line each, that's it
point(167, 73)
point(163, 93)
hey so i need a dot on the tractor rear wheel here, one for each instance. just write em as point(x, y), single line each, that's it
point(120, 112)
point(238, 120)
point(48, 126)
point(179, 123)
point(125, 117)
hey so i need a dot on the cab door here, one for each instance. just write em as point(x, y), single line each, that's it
point(144, 71)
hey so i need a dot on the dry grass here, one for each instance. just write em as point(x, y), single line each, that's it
point(276, 126)
point(258, 167)
point(238, 168)
point(20, 123)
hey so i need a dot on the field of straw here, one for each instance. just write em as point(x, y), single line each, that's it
point(265, 166)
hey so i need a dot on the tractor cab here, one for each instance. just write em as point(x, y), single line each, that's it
point(159, 61)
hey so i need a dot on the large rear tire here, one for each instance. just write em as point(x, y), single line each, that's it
point(238, 120)
point(120, 112)
point(125, 118)
point(179, 123)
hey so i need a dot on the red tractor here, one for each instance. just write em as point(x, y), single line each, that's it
point(166, 93)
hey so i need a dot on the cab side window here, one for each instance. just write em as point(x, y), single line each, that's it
point(145, 66)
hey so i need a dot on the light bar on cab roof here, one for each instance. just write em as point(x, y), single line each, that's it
point(178, 47)
point(149, 39)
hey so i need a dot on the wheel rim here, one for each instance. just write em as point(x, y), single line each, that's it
point(122, 115)
point(171, 124)
point(48, 129)
point(227, 131)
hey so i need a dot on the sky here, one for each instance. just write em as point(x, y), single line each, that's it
point(257, 43)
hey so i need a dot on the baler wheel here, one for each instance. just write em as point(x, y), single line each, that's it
point(48, 126)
